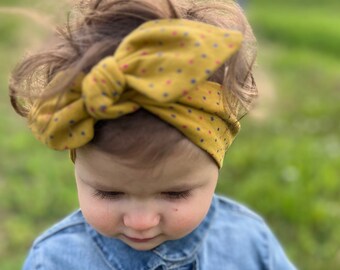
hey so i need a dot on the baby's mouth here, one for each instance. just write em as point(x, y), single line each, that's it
point(139, 240)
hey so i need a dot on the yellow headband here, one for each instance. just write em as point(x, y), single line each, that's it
point(162, 66)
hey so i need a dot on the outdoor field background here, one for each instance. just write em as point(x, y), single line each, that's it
point(285, 164)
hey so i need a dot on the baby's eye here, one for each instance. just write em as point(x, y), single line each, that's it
point(108, 195)
point(176, 195)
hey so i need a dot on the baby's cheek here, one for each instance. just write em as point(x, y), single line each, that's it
point(184, 220)
point(100, 217)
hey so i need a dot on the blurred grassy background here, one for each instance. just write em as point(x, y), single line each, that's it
point(284, 164)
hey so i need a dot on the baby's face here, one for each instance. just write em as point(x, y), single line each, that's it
point(144, 207)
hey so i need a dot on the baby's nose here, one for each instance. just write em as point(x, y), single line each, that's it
point(141, 220)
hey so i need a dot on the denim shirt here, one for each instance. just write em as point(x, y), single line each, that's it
point(230, 237)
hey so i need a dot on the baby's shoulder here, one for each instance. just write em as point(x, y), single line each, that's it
point(242, 239)
point(237, 226)
point(71, 224)
point(229, 210)
point(66, 243)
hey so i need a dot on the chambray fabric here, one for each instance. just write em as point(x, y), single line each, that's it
point(231, 237)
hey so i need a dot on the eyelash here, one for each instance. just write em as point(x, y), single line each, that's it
point(111, 195)
point(174, 195)
point(108, 195)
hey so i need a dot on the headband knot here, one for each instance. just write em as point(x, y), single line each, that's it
point(103, 87)
point(162, 67)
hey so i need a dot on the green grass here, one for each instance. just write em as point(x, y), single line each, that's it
point(315, 28)
point(285, 166)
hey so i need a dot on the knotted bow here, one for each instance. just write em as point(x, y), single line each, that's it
point(162, 66)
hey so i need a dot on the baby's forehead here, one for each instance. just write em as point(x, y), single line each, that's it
point(176, 170)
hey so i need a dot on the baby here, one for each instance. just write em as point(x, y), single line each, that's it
point(146, 97)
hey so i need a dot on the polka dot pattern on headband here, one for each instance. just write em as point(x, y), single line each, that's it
point(165, 64)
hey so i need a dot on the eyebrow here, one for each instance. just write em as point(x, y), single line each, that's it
point(183, 187)
point(94, 184)
point(174, 188)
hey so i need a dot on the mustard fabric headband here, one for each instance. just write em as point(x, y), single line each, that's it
point(163, 67)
